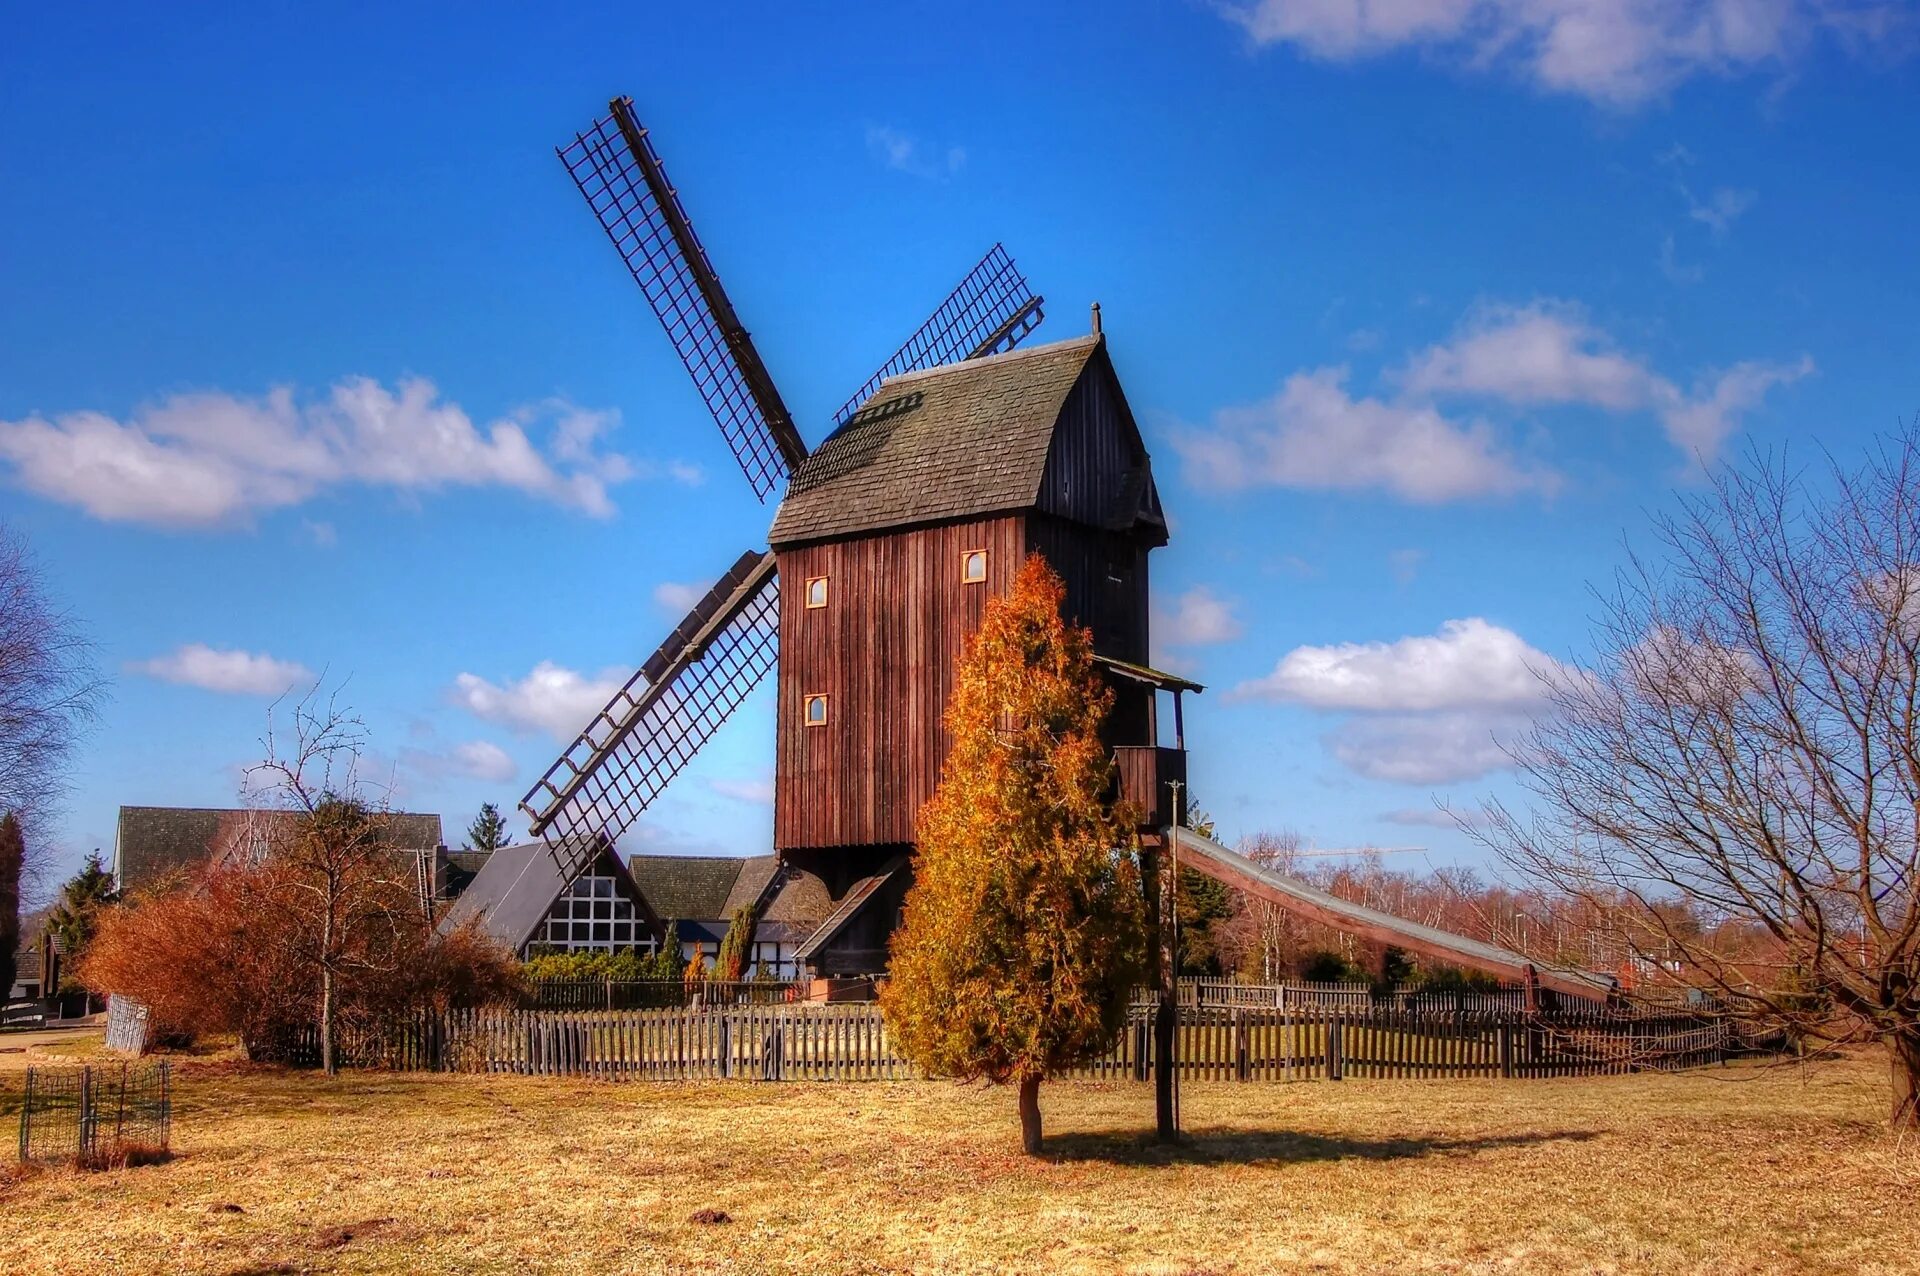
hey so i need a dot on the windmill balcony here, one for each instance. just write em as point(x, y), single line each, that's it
point(1146, 774)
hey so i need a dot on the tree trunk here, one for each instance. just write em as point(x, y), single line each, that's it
point(326, 1021)
point(1030, 1115)
point(1903, 1050)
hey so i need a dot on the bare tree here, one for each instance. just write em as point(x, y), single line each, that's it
point(49, 689)
point(324, 830)
point(1735, 777)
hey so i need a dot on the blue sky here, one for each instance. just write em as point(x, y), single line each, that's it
point(312, 361)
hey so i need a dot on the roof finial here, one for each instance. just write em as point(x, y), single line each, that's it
point(1096, 318)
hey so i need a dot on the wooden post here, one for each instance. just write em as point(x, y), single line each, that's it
point(726, 1046)
point(1503, 1036)
point(1333, 1047)
point(1155, 862)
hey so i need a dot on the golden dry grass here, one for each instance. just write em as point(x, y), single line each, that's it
point(1728, 1171)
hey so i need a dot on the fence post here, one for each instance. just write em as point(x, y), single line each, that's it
point(1333, 1047)
point(86, 1110)
point(726, 1045)
point(1503, 1036)
point(26, 1118)
point(1239, 1044)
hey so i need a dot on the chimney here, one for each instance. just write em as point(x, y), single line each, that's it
point(1096, 318)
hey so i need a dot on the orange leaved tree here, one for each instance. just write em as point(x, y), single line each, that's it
point(1025, 929)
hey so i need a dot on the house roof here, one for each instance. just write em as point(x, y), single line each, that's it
point(856, 899)
point(1158, 678)
point(700, 888)
point(155, 841)
point(956, 441)
point(513, 890)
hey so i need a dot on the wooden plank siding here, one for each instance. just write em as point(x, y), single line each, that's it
point(884, 650)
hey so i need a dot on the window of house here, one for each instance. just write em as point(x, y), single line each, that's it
point(973, 567)
point(816, 711)
point(590, 914)
point(816, 592)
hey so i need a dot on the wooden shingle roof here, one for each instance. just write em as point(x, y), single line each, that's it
point(957, 441)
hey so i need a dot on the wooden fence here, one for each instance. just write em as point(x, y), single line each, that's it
point(813, 1042)
point(654, 994)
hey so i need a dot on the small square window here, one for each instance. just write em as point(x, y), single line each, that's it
point(816, 711)
point(580, 932)
point(973, 567)
point(603, 886)
point(816, 592)
point(603, 909)
point(622, 910)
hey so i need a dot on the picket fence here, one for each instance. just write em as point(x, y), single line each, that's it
point(851, 1042)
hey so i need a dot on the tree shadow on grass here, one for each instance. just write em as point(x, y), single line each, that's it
point(1253, 1147)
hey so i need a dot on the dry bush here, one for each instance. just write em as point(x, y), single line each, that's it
point(233, 951)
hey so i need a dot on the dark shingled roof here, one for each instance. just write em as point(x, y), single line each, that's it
point(700, 888)
point(156, 841)
point(957, 441)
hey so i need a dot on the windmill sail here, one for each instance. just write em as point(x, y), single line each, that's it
point(991, 311)
point(671, 706)
point(625, 185)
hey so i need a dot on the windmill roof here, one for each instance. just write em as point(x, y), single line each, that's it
point(956, 441)
point(155, 841)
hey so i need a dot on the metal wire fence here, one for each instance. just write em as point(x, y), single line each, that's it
point(97, 1115)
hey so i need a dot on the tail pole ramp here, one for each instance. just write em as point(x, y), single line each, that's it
point(1204, 855)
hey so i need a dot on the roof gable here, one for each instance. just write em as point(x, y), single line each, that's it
point(516, 886)
point(957, 441)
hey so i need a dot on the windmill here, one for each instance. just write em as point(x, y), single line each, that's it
point(946, 453)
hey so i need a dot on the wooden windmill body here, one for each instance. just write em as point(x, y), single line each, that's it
point(956, 460)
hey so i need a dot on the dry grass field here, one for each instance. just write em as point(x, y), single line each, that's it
point(1727, 1170)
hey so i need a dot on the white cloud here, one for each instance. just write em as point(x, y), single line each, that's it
point(1431, 748)
point(476, 759)
point(1314, 434)
point(679, 597)
point(1405, 564)
point(905, 153)
point(1548, 353)
point(1618, 53)
point(199, 460)
point(1699, 423)
point(1720, 209)
point(1436, 817)
point(226, 670)
point(1199, 618)
point(553, 699)
point(758, 792)
point(484, 760)
point(1467, 664)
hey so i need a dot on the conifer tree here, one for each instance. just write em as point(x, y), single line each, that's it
point(488, 832)
point(736, 946)
point(1024, 933)
point(77, 912)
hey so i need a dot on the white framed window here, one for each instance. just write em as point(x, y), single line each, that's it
point(816, 714)
point(973, 567)
point(816, 592)
point(590, 914)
